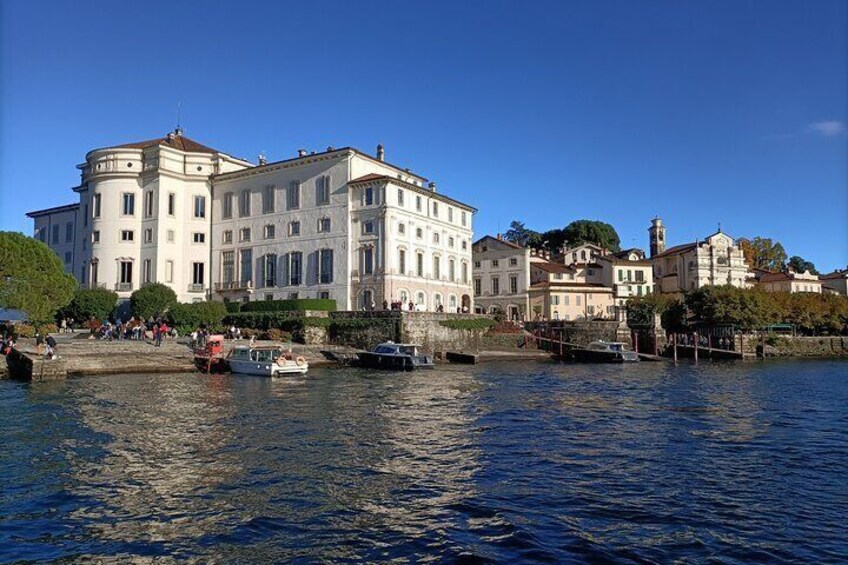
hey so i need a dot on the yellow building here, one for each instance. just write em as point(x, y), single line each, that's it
point(562, 292)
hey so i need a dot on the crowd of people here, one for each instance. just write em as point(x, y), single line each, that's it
point(133, 329)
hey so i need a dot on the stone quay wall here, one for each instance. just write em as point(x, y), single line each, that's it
point(802, 346)
point(577, 332)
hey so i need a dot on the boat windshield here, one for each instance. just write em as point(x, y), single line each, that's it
point(240, 354)
point(408, 349)
point(389, 349)
point(616, 346)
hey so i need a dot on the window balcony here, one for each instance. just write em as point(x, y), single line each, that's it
point(123, 287)
point(233, 286)
point(196, 288)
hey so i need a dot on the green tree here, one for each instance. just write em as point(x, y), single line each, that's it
point(641, 310)
point(763, 253)
point(88, 303)
point(600, 233)
point(187, 317)
point(717, 305)
point(521, 235)
point(32, 278)
point(800, 265)
point(152, 300)
point(552, 240)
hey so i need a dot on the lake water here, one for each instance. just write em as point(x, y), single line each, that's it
point(502, 462)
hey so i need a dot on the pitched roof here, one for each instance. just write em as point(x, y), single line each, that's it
point(682, 248)
point(173, 140)
point(54, 210)
point(553, 267)
point(835, 275)
point(570, 285)
point(495, 239)
point(372, 177)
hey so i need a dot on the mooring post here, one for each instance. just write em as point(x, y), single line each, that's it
point(674, 346)
point(561, 337)
point(656, 345)
point(695, 340)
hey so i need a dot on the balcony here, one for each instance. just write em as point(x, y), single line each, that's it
point(232, 286)
point(90, 286)
point(123, 287)
point(196, 288)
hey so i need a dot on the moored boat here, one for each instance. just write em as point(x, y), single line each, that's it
point(605, 352)
point(395, 356)
point(265, 361)
point(210, 357)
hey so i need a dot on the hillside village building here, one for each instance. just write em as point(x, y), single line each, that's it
point(715, 261)
point(501, 278)
point(788, 281)
point(568, 292)
point(338, 224)
point(836, 282)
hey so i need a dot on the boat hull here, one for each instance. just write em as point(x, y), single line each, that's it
point(266, 369)
point(394, 362)
point(590, 356)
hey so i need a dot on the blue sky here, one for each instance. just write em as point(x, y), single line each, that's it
point(700, 112)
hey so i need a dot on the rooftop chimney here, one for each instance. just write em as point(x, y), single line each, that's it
point(432, 186)
point(381, 152)
point(262, 159)
point(330, 148)
point(301, 152)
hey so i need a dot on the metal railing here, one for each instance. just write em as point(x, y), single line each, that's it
point(123, 287)
point(195, 288)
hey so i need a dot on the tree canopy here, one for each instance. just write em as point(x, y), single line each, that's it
point(763, 253)
point(800, 265)
point(32, 277)
point(87, 303)
point(600, 233)
point(521, 235)
point(152, 300)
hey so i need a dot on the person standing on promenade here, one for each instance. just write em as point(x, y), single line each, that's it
point(51, 347)
point(39, 342)
point(157, 340)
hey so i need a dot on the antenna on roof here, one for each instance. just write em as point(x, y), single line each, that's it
point(179, 130)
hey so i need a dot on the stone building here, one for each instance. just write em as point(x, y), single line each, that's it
point(501, 278)
point(628, 273)
point(788, 281)
point(337, 224)
point(836, 282)
point(713, 261)
point(569, 292)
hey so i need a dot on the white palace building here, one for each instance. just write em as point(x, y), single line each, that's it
point(337, 224)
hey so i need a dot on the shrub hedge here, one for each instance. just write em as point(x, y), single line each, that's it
point(468, 324)
point(299, 305)
point(187, 317)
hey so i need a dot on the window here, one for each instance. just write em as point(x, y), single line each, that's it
point(169, 236)
point(198, 237)
point(450, 242)
point(418, 203)
point(369, 196)
point(368, 260)
point(270, 231)
point(148, 235)
point(293, 295)
point(268, 200)
point(199, 206)
point(620, 275)
point(325, 266)
point(127, 235)
point(451, 270)
point(54, 238)
point(323, 225)
point(435, 209)
point(435, 238)
point(477, 264)
point(295, 268)
point(478, 287)
point(96, 206)
point(145, 271)
point(513, 262)
point(496, 285)
point(640, 276)
point(583, 255)
point(227, 209)
point(172, 203)
point(567, 300)
point(592, 272)
point(554, 300)
point(437, 263)
point(322, 188)
point(268, 277)
point(450, 214)
point(293, 202)
point(419, 264)
point(69, 232)
point(495, 263)
point(294, 228)
point(228, 236)
point(464, 245)
point(558, 276)
point(128, 204)
point(244, 204)
point(464, 273)
point(401, 261)
point(244, 234)
point(419, 233)
point(400, 197)
point(169, 271)
point(577, 300)
point(148, 204)
point(68, 256)
point(246, 267)
point(228, 267)
point(324, 295)
point(84, 218)
point(95, 236)
point(402, 229)
point(513, 285)
point(126, 272)
point(367, 227)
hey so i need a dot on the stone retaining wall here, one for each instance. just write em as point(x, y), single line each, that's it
point(802, 346)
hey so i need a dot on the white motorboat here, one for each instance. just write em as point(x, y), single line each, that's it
point(265, 361)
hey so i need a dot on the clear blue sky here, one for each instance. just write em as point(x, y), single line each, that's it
point(700, 112)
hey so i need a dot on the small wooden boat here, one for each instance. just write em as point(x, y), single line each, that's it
point(605, 352)
point(265, 361)
point(210, 357)
point(395, 356)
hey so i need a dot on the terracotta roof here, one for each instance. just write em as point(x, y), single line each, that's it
point(505, 242)
point(175, 141)
point(553, 267)
point(773, 277)
point(677, 249)
point(54, 210)
point(835, 275)
point(370, 177)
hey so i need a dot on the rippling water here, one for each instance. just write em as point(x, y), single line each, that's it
point(518, 462)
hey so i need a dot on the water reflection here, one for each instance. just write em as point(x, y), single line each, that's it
point(500, 463)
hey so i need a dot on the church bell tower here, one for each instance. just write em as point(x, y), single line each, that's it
point(657, 236)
